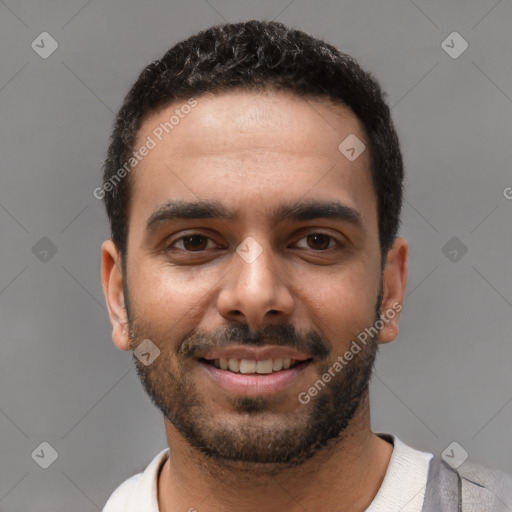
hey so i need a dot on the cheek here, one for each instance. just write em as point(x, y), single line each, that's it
point(170, 296)
point(340, 305)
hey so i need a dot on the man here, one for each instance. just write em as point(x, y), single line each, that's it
point(254, 186)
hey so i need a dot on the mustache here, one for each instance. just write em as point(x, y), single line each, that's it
point(284, 335)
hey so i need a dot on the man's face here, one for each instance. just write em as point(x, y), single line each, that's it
point(272, 280)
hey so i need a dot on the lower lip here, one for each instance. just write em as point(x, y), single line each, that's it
point(254, 384)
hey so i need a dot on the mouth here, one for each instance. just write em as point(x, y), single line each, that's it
point(248, 366)
point(247, 371)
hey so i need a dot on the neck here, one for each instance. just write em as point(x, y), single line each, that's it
point(344, 476)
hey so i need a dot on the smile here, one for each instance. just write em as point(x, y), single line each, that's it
point(255, 371)
point(252, 366)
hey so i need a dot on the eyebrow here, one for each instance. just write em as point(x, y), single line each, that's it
point(300, 211)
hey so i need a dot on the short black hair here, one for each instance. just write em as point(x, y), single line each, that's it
point(257, 55)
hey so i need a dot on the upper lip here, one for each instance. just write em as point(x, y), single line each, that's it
point(254, 353)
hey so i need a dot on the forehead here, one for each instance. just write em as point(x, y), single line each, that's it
point(244, 120)
point(250, 150)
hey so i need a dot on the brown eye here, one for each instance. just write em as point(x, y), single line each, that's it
point(319, 241)
point(193, 242)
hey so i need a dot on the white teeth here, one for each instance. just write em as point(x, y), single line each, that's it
point(251, 366)
point(234, 365)
point(277, 364)
point(247, 366)
point(264, 366)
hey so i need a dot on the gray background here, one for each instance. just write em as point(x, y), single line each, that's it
point(446, 378)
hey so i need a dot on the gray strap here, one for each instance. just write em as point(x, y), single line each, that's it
point(485, 489)
point(443, 491)
point(471, 488)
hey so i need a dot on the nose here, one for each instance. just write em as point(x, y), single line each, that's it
point(255, 291)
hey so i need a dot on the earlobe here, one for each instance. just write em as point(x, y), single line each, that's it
point(112, 283)
point(394, 283)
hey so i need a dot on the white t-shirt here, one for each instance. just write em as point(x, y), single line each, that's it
point(403, 487)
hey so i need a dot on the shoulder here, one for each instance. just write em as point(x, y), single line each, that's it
point(122, 496)
point(470, 487)
point(495, 480)
point(483, 488)
point(139, 492)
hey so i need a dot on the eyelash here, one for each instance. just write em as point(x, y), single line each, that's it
point(331, 237)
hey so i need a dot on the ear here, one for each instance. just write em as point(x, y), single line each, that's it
point(112, 283)
point(394, 283)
